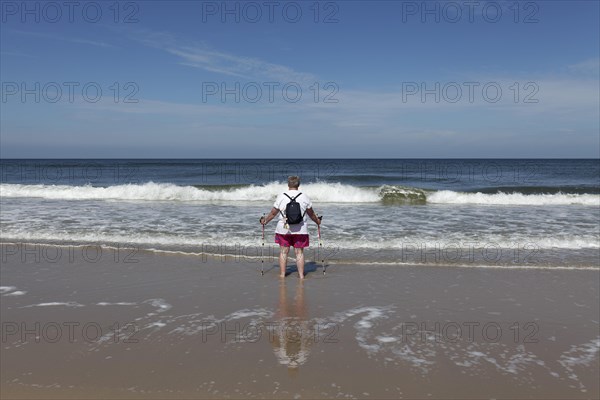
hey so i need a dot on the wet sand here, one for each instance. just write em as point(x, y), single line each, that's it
point(175, 326)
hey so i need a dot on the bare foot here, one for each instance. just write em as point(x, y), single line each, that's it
point(282, 276)
point(301, 276)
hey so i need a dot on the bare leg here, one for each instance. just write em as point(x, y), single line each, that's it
point(283, 254)
point(300, 262)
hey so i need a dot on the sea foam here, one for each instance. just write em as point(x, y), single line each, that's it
point(318, 192)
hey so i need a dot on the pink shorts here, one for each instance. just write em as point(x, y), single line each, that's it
point(298, 241)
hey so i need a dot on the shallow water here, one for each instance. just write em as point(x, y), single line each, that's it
point(454, 212)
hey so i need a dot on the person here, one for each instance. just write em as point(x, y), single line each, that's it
point(295, 235)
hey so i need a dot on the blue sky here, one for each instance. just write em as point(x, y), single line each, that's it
point(395, 79)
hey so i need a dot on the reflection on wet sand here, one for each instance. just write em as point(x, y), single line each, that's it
point(293, 333)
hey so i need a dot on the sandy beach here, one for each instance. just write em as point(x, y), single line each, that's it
point(125, 324)
point(437, 161)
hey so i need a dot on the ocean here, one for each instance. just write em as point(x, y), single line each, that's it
point(504, 213)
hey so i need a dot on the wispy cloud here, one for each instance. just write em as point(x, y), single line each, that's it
point(53, 36)
point(591, 66)
point(240, 66)
point(558, 100)
point(202, 56)
point(155, 107)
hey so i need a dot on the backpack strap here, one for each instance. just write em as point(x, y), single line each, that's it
point(281, 211)
point(292, 199)
point(298, 195)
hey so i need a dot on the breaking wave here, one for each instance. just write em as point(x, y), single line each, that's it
point(319, 192)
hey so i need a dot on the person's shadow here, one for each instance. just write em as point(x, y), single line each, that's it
point(293, 334)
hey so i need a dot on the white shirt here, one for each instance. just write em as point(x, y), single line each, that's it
point(281, 202)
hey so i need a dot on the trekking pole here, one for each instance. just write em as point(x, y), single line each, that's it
point(262, 249)
point(321, 244)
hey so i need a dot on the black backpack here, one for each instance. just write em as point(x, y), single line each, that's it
point(293, 211)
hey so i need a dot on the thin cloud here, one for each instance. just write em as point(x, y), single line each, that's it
point(245, 67)
point(62, 38)
point(591, 66)
point(147, 107)
point(201, 56)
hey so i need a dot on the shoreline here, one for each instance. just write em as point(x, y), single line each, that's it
point(13, 248)
point(169, 326)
